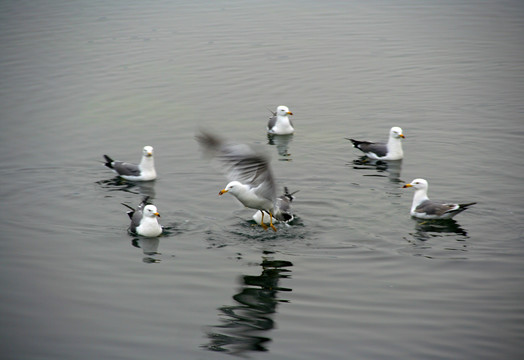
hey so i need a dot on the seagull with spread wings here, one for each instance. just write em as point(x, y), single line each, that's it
point(249, 172)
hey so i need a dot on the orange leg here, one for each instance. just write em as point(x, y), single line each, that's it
point(271, 222)
point(264, 226)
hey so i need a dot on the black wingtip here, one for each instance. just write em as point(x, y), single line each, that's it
point(274, 113)
point(465, 206)
point(289, 195)
point(354, 142)
point(208, 141)
point(130, 212)
point(109, 162)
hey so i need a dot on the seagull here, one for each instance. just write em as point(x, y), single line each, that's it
point(282, 208)
point(382, 151)
point(144, 171)
point(424, 208)
point(144, 220)
point(279, 123)
point(251, 179)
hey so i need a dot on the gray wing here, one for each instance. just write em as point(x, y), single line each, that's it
point(135, 220)
point(435, 208)
point(136, 215)
point(123, 168)
point(380, 149)
point(272, 121)
point(283, 206)
point(242, 163)
point(283, 209)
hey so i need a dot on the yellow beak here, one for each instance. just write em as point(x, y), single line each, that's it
point(222, 192)
point(289, 113)
point(402, 136)
point(156, 214)
point(407, 185)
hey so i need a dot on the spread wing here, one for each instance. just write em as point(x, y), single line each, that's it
point(242, 163)
point(136, 215)
point(283, 206)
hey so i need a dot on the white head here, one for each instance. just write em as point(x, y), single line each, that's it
point(283, 111)
point(234, 187)
point(418, 184)
point(396, 132)
point(147, 151)
point(150, 211)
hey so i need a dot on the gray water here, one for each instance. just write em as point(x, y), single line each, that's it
point(353, 277)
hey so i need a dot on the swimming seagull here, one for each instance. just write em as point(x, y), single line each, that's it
point(382, 151)
point(144, 220)
point(279, 123)
point(282, 208)
point(144, 171)
point(424, 208)
point(249, 173)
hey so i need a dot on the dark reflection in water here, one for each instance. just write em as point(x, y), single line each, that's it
point(149, 248)
point(282, 143)
point(245, 325)
point(426, 229)
point(145, 188)
point(438, 239)
point(390, 169)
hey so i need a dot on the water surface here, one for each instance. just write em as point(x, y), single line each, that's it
point(354, 276)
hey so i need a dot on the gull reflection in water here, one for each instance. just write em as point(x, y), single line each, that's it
point(389, 168)
point(282, 143)
point(427, 229)
point(146, 188)
point(433, 239)
point(149, 248)
point(245, 325)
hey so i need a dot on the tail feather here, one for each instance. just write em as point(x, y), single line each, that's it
point(465, 206)
point(461, 207)
point(130, 212)
point(109, 162)
point(355, 143)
